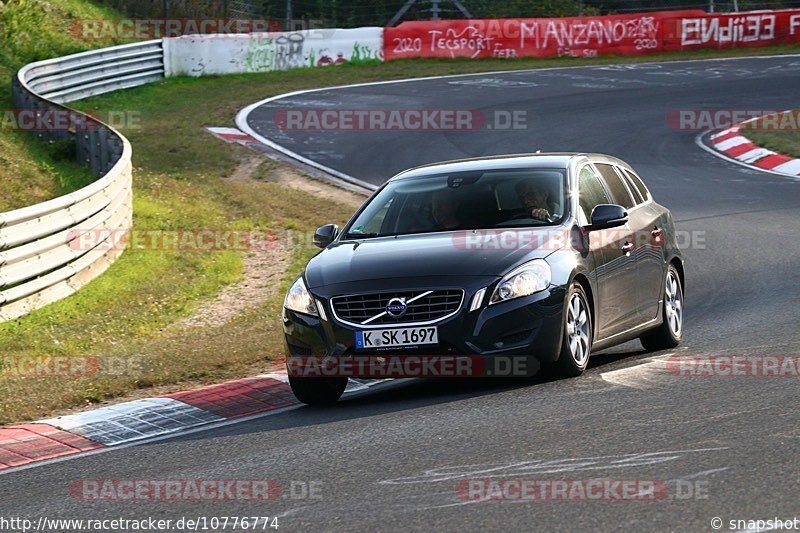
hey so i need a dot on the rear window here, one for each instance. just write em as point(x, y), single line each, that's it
point(615, 184)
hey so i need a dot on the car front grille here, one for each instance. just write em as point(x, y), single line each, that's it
point(422, 306)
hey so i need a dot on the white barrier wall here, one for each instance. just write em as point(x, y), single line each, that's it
point(202, 55)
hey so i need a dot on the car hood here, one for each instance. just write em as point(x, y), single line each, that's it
point(479, 253)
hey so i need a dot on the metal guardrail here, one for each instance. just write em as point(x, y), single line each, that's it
point(49, 250)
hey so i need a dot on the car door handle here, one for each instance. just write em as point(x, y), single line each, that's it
point(627, 248)
point(656, 233)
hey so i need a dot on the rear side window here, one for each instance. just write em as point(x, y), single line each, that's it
point(615, 184)
point(591, 191)
point(637, 182)
point(637, 196)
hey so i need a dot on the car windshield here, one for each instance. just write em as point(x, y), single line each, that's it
point(464, 200)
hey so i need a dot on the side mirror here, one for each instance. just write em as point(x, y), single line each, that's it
point(325, 235)
point(608, 216)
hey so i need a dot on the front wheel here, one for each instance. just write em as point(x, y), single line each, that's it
point(668, 334)
point(315, 391)
point(576, 345)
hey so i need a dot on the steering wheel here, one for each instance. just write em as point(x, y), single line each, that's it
point(528, 215)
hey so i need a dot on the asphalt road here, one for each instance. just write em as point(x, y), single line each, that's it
point(390, 459)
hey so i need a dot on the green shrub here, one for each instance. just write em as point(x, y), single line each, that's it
point(31, 30)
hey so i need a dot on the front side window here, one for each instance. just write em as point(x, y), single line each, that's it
point(464, 200)
point(591, 192)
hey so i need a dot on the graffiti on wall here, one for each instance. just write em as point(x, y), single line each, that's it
point(264, 52)
point(294, 50)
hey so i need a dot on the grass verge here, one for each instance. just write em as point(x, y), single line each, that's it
point(180, 183)
point(781, 135)
point(31, 30)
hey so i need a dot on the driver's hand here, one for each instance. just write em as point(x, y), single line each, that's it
point(540, 214)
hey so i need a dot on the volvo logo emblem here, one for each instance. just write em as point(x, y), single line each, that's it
point(397, 307)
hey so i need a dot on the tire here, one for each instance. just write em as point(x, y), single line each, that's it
point(668, 334)
point(577, 332)
point(316, 391)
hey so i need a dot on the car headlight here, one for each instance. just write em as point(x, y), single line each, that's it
point(299, 299)
point(525, 280)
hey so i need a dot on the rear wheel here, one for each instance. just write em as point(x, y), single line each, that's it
point(576, 345)
point(315, 391)
point(668, 334)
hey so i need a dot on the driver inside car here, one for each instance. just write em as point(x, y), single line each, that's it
point(444, 209)
point(536, 199)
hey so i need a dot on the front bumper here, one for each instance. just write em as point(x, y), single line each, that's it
point(528, 326)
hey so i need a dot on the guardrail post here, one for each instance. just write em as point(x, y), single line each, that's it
point(95, 152)
point(104, 149)
point(116, 147)
point(82, 147)
point(40, 106)
point(16, 93)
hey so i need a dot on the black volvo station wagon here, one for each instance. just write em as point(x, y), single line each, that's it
point(549, 256)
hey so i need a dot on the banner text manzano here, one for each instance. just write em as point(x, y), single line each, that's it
point(623, 34)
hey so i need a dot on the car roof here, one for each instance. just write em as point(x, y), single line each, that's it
point(557, 160)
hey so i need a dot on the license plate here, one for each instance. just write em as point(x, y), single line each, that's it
point(393, 338)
